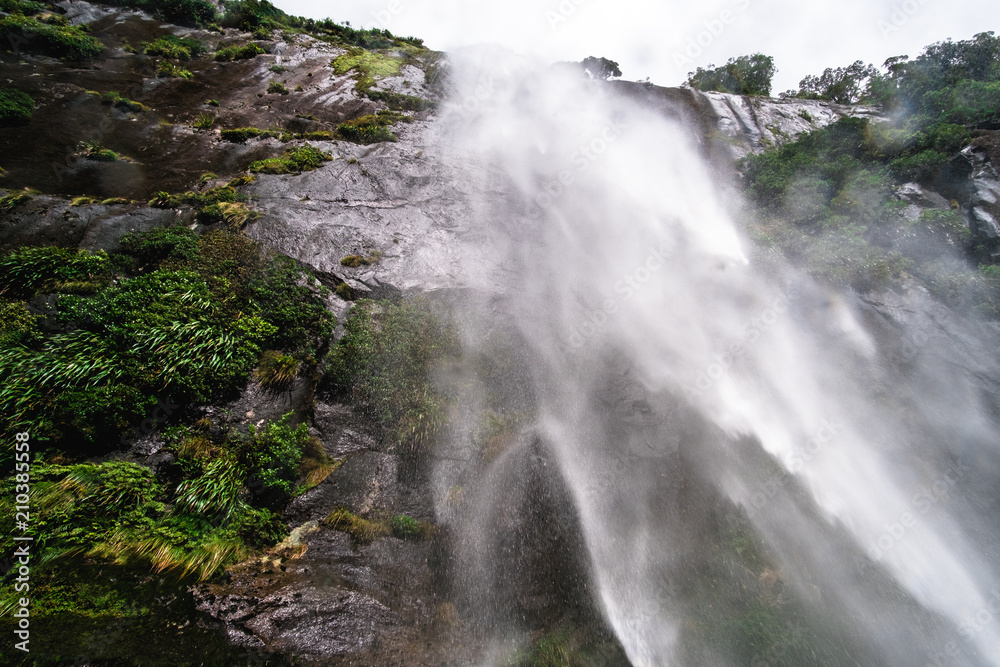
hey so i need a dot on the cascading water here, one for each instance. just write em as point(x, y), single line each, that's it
point(662, 351)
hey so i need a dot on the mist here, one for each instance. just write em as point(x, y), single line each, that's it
point(661, 351)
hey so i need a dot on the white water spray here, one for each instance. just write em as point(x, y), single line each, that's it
point(652, 334)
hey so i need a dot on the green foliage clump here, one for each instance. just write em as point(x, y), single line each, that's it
point(368, 66)
point(240, 134)
point(276, 370)
point(116, 99)
point(186, 316)
point(238, 52)
point(15, 107)
point(18, 325)
point(171, 46)
point(277, 88)
point(383, 364)
point(294, 161)
point(15, 199)
point(406, 527)
point(745, 75)
point(369, 129)
point(399, 101)
point(181, 12)
point(271, 457)
point(61, 41)
point(28, 270)
point(167, 69)
point(25, 7)
point(354, 261)
point(361, 530)
point(844, 85)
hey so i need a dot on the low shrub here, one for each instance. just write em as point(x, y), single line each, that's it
point(171, 46)
point(367, 130)
point(295, 161)
point(238, 52)
point(61, 41)
point(277, 88)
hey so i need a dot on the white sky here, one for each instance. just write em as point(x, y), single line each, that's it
point(649, 39)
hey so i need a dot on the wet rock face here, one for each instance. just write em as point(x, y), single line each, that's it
point(755, 124)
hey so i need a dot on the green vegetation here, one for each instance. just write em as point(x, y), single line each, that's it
point(186, 316)
point(745, 75)
point(238, 52)
point(49, 36)
point(15, 107)
point(16, 199)
point(95, 150)
point(844, 85)
point(827, 199)
point(181, 12)
point(354, 261)
point(25, 7)
point(399, 101)
point(368, 66)
point(171, 46)
point(115, 99)
point(294, 161)
point(369, 129)
point(167, 69)
point(276, 370)
point(361, 530)
point(241, 134)
point(383, 364)
point(204, 121)
point(277, 88)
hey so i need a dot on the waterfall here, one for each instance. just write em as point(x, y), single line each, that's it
point(663, 351)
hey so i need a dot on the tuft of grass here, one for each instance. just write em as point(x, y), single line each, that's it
point(171, 46)
point(167, 69)
point(276, 371)
point(94, 150)
point(295, 161)
point(278, 69)
point(115, 99)
point(355, 261)
point(15, 107)
point(205, 121)
point(277, 88)
point(15, 199)
point(369, 129)
point(215, 493)
point(212, 103)
point(238, 52)
point(360, 529)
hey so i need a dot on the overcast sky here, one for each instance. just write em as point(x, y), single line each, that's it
point(666, 40)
